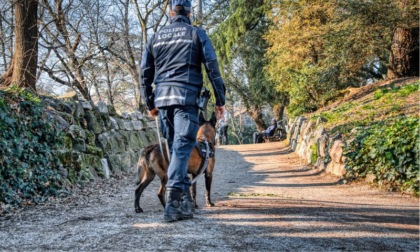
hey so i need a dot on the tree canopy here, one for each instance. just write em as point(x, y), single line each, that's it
point(298, 54)
point(318, 48)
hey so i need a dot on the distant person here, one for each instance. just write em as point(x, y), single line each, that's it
point(223, 128)
point(258, 137)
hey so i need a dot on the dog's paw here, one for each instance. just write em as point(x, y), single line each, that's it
point(139, 210)
point(210, 204)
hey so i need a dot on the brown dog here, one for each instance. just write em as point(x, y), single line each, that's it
point(152, 162)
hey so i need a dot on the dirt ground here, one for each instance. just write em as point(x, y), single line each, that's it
point(266, 200)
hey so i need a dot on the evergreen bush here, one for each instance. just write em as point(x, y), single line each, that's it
point(28, 169)
point(389, 150)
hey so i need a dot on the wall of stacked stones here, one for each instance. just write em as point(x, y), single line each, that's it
point(98, 143)
point(314, 144)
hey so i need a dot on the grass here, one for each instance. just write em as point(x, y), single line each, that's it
point(386, 101)
point(234, 194)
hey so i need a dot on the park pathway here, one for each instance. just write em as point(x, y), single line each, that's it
point(266, 199)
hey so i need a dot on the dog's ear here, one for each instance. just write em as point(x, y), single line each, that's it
point(201, 119)
point(213, 119)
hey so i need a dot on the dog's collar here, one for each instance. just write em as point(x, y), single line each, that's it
point(205, 147)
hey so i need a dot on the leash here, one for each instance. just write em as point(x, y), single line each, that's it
point(205, 163)
point(158, 134)
point(168, 154)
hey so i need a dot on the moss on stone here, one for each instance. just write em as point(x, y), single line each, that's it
point(90, 138)
point(68, 142)
point(64, 156)
point(93, 150)
point(314, 153)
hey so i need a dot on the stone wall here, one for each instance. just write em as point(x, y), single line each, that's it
point(313, 143)
point(98, 143)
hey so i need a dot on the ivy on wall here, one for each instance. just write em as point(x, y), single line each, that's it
point(390, 151)
point(29, 172)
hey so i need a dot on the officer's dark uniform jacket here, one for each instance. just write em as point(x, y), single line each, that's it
point(172, 61)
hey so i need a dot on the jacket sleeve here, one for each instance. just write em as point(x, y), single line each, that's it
point(147, 75)
point(212, 67)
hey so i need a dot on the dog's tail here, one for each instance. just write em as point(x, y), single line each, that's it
point(142, 163)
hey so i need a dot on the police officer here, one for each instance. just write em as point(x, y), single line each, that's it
point(172, 61)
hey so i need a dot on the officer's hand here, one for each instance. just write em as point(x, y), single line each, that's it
point(220, 112)
point(154, 112)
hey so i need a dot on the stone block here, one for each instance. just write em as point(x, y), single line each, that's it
point(112, 142)
point(301, 134)
point(137, 125)
point(61, 123)
point(125, 115)
point(123, 162)
point(301, 149)
point(370, 178)
point(151, 125)
point(336, 169)
point(105, 168)
point(102, 108)
point(78, 112)
point(320, 163)
point(136, 115)
point(93, 150)
point(112, 111)
point(67, 107)
point(93, 122)
point(336, 152)
point(127, 125)
point(133, 140)
point(77, 132)
point(298, 128)
point(86, 105)
point(88, 167)
point(79, 145)
point(150, 137)
point(114, 123)
point(322, 145)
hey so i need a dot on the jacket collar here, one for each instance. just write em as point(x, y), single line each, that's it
point(180, 18)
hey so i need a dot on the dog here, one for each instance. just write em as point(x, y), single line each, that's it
point(152, 163)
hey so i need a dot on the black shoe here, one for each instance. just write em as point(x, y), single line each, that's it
point(173, 205)
point(187, 205)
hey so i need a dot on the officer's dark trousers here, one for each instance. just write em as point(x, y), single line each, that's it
point(179, 127)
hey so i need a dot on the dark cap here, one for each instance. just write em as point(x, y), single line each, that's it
point(185, 3)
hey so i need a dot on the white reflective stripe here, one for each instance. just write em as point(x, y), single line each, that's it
point(173, 42)
point(169, 97)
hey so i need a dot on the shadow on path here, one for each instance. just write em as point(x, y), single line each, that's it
point(307, 210)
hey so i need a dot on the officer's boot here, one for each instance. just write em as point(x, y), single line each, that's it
point(173, 205)
point(187, 205)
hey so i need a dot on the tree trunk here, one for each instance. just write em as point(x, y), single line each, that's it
point(256, 115)
point(108, 83)
point(200, 13)
point(279, 112)
point(22, 71)
point(404, 54)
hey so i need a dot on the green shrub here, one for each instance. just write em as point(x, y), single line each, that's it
point(389, 150)
point(408, 89)
point(28, 168)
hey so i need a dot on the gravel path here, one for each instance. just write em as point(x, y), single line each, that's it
point(266, 200)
